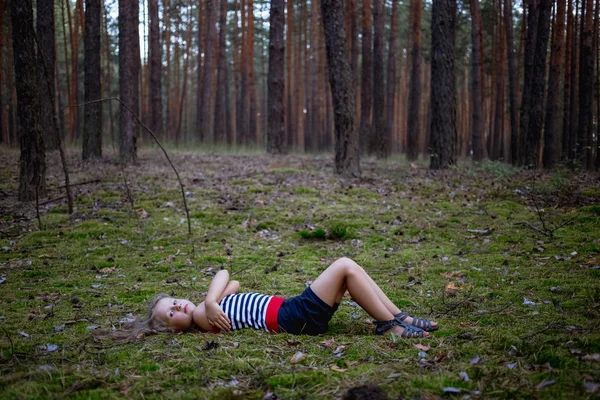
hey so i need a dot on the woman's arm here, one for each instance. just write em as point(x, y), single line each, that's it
point(200, 317)
point(214, 314)
point(232, 287)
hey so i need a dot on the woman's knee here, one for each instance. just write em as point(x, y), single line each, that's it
point(349, 265)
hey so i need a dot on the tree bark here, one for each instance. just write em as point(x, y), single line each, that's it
point(574, 106)
point(32, 176)
point(92, 130)
point(366, 75)
point(443, 97)
point(377, 142)
point(390, 103)
point(3, 137)
point(222, 132)
point(129, 62)
point(586, 86)
point(45, 35)
point(342, 89)
point(276, 143)
point(414, 89)
point(477, 93)
point(537, 87)
point(155, 66)
point(566, 125)
point(251, 77)
point(513, 82)
point(290, 82)
point(205, 122)
point(552, 104)
point(498, 133)
point(351, 33)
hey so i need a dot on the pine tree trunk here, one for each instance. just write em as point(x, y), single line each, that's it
point(574, 105)
point(498, 131)
point(108, 79)
point(129, 78)
point(32, 176)
point(290, 110)
point(513, 83)
point(342, 89)
point(205, 122)
point(477, 95)
point(535, 100)
point(155, 64)
point(74, 133)
point(352, 35)
point(566, 123)
point(167, 33)
point(188, 46)
point(552, 104)
point(92, 131)
point(4, 139)
point(414, 116)
point(377, 143)
point(443, 97)
point(47, 55)
point(237, 74)
point(532, 20)
point(596, 51)
point(366, 76)
point(276, 114)
point(221, 130)
point(390, 103)
point(301, 71)
point(586, 86)
point(252, 131)
point(199, 70)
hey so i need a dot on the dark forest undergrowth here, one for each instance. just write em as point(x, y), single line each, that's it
point(507, 262)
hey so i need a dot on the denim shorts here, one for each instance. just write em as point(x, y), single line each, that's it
point(306, 314)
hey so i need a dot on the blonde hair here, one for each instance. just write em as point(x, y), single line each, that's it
point(136, 330)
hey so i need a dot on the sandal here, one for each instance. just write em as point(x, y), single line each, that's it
point(409, 331)
point(423, 324)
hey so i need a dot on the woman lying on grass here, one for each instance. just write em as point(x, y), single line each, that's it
point(224, 309)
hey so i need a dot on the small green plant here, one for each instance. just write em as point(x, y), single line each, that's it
point(499, 169)
point(340, 231)
point(317, 233)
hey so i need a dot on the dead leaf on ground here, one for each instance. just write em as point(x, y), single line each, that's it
point(108, 270)
point(296, 358)
point(450, 289)
point(142, 213)
point(327, 342)
point(421, 347)
point(453, 274)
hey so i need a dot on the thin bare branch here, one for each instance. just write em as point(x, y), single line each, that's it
point(187, 211)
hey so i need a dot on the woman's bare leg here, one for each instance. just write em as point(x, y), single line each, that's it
point(342, 272)
point(330, 287)
point(385, 300)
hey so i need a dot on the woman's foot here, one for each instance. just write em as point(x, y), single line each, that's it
point(400, 329)
point(424, 324)
point(408, 334)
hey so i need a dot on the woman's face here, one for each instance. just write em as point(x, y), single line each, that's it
point(175, 313)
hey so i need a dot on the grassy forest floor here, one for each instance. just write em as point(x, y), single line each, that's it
point(508, 262)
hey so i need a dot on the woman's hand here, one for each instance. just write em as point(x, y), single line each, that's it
point(217, 317)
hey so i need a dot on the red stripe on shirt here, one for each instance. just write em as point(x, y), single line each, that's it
point(272, 311)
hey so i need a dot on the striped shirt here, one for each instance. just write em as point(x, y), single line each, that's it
point(250, 310)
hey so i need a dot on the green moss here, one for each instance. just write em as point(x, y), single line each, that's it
point(403, 241)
